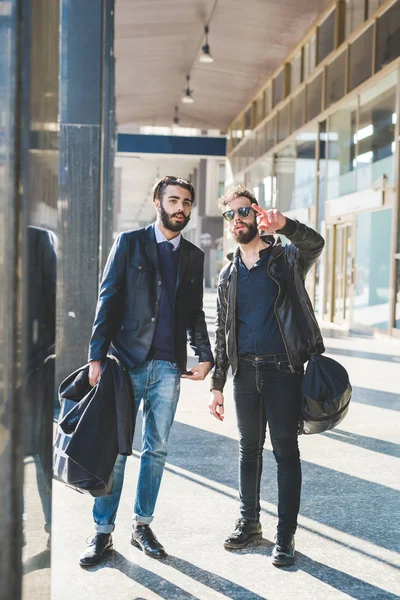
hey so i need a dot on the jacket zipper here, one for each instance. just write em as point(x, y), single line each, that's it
point(276, 314)
point(312, 316)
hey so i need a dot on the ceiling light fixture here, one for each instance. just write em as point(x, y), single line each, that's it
point(176, 118)
point(187, 93)
point(206, 57)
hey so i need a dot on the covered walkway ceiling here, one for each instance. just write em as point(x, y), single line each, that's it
point(158, 42)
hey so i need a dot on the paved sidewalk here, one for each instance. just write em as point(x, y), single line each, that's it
point(347, 538)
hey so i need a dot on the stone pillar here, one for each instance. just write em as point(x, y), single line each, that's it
point(85, 170)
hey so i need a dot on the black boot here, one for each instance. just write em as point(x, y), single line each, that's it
point(93, 553)
point(245, 532)
point(283, 551)
point(143, 538)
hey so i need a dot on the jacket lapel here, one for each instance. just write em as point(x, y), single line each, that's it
point(151, 246)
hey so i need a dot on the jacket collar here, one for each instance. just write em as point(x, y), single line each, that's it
point(152, 252)
point(275, 250)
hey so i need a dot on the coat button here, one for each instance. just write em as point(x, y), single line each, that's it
point(140, 268)
point(157, 303)
point(159, 282)
point(122, 327)
point(153, 320)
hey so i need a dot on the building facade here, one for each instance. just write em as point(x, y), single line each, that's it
point(320, 142)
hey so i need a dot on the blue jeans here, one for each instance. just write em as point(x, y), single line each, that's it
point(157, 382)
point(268, 393)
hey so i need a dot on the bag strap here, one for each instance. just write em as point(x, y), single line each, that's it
point(299, 314)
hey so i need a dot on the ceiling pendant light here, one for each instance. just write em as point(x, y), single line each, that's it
point(205, 56)
point(187, 93)
point(176, 118)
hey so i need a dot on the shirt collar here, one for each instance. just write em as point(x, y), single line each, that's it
point(160, 237)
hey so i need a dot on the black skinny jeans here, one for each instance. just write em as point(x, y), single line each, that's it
point(268, 392)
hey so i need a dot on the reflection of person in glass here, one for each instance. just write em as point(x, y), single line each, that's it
point(39, 391)
point(150, 303)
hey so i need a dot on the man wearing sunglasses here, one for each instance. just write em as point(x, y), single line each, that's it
point(258, 336)
point(150, 303)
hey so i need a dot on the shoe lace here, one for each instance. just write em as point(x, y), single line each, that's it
point(239, 525)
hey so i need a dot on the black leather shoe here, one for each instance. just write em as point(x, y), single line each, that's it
point(283, 551)
point(245, 532)
point(143, 538)
point(94, 552)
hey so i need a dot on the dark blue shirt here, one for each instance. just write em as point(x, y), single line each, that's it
point(163, 342)
point(257, 328)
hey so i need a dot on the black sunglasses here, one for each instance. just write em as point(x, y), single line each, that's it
point(243, 211)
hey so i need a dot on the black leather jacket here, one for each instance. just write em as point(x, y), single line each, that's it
point(293, 260)
point(129, 302)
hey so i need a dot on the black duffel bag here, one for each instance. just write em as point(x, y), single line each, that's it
point(325, 394)
point(326, 389)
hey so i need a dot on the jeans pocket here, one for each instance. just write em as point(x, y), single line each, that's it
point(174, 366)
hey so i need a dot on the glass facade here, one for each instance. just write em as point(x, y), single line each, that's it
point(388, 36)
point(375, 135)
point(397, 299)
point(279, 88)
point(355, 15)
point(314, 98)
point(341, 152)
point(355, 147)
point(360, 67)
point(372, 269)
point(335, 79)
point(326, 37)
point(296, 172)
point(298, 110)
point(284, 123)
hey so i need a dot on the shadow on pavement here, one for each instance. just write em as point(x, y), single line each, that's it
point(362, 354)
point(376, 398)
point(344, 502)
point(362, 441)
point(148, 579)
point(213, 581)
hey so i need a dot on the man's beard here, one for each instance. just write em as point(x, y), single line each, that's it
point(247, 235)
point(167, 221)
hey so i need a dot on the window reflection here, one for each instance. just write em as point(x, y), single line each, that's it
point(341, 152)
point(372, 269)
point(296, 172)
point(375, 135)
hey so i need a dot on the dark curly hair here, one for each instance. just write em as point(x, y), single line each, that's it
point(236, 192)
point(159, 187)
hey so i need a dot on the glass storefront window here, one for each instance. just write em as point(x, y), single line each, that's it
point(309, 57)
point(388, 36)
point(355, 15)
point(267, 101)
point(314, 98)
point(260, 108)
point(284, 123)
point(341, 152)
point(296, 72)
point(279, 88)
point(298, 111)
point(372, 269)
point(335, 79)
point(360, 67)
point(260, 142)
point(326, 37)
point(247, 122)
point(373, 6)
point(397, 313)
point(375, 135)
point(271, 127)
point(296, 172)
